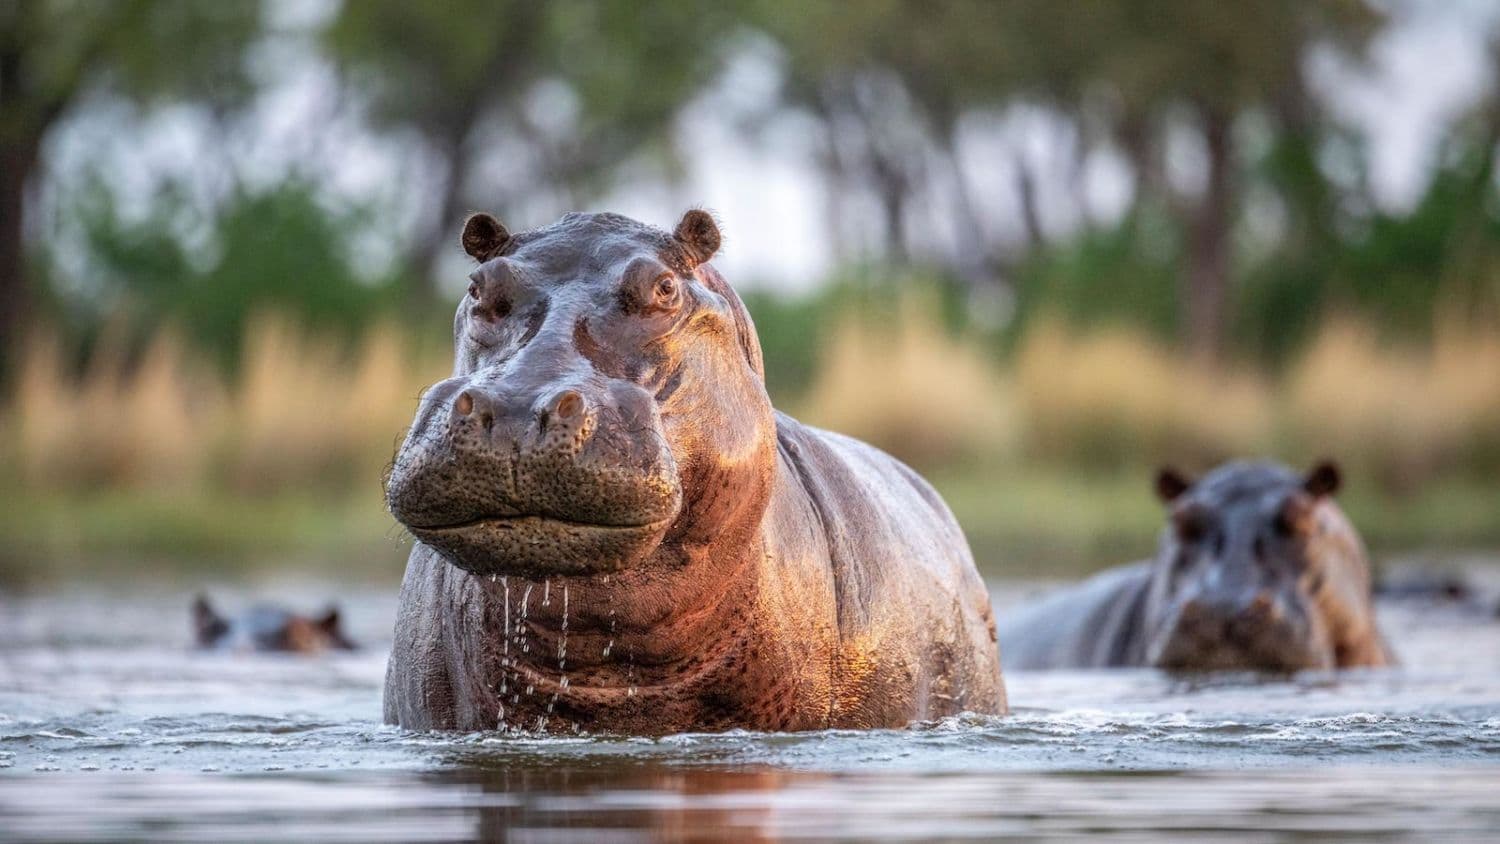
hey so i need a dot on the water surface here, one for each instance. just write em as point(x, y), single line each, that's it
point(110, 727)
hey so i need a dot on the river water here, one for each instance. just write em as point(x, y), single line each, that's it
point(111, 727)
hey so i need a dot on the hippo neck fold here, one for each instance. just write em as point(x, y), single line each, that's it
point(681, 637)
point(570, 653)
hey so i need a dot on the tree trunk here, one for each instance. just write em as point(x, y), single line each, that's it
point(1031, 218)
point(830, 161)
point(442, 231)
point(1206, 299)
point(976, 262)
point(891, 189)
point(17, 160)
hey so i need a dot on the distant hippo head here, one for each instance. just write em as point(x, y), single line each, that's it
point(267, 629)
point(1259, 570)
point(607, 393)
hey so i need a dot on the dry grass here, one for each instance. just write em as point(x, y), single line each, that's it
point(140, 425)
point(1403, 414)
point(304, 413)
point(911, 388)
point(308, 414)
point(1398, 415)
point(1116, 398)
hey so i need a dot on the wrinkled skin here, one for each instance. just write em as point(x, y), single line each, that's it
point(1257, 570)
point(616, 532)
point(267, 629)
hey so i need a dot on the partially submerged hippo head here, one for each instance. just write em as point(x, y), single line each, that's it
point(562, 444)
point(1259, 570)
point(267, 628)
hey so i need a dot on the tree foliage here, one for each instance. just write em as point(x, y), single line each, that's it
point(1240, 229)
point(559, 96)
point(55, 54)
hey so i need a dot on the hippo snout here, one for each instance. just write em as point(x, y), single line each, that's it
point(553, 478)
point(563, 419)
point(1245, 632)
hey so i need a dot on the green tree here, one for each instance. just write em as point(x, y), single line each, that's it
point(1126, 74)
point(1212, 63)
point(53, 53)
point(276, 249)
point(564, 92)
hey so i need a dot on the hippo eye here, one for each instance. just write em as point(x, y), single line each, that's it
point(1283, 526)
point(1191, 526)
point(666, 288)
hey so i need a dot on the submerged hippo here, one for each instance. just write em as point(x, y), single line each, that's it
point(1257, 570)
point(267, 628)
point(615, 531)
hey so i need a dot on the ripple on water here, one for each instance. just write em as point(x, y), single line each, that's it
point(155, 732)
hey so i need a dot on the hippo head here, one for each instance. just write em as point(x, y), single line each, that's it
point(1257, 570)
point(268, 628)
point(607, 396)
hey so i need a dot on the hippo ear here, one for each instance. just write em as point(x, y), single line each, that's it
point(329, 621)
point(330, 624)
point(1322, 479)
point(698, 235)
point(208, 625)
point(484, 237)
point(1170, 483)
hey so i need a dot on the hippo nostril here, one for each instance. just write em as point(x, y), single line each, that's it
point(1261, 604)
point(464, 404)
point(567, 405)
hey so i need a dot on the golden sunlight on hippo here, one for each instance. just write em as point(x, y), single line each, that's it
point(617, 533)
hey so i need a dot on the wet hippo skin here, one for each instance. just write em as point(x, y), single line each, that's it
point(1257, 569)
point(617, 533)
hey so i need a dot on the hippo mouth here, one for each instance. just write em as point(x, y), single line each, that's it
point(541, 545)
point(512, 522)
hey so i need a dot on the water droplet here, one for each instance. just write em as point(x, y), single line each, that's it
point(507, 612)
point(546, 593)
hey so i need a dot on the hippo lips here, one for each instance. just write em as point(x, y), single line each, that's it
point(533, 544)
point(508, 522)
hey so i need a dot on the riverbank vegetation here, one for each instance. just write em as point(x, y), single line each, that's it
point(1044, 446)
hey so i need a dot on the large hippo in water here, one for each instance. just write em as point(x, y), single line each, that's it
point(1258, 569)
point(617, 533)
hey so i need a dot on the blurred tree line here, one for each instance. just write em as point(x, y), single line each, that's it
point(529, 109)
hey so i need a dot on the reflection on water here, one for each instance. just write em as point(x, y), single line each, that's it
point(110, 727)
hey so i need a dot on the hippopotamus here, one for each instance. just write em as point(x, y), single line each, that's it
point(1257, 569)
point(615, 532)
point(267, 628)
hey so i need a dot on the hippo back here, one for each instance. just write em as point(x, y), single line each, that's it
point(1093, 625)
point(916, 635)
